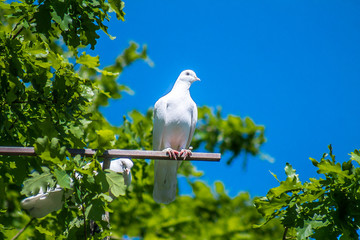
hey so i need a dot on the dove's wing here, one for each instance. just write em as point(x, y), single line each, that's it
point(194, 116)
point(159, 124)
point(42, 204)
point(165, 171)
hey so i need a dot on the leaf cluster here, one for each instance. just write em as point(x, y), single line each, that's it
point(208, 214)
point(231, 134)
point(50, 98)
point(324, 208)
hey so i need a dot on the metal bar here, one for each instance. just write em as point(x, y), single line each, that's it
point(114, 153)
point(17, 151)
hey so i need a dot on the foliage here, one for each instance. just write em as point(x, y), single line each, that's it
point(206, 215)
point(232, 134)
point(50, 98)
point(324, 208)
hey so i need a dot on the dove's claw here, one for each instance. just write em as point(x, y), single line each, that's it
point(186, 153)
point(173, 154)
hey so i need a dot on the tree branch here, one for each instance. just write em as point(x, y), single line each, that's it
point(83, 212)
point(285, 232)
point(23, 229)
point(20, 30)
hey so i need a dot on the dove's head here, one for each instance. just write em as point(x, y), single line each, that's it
point(188, 76)
point(127, 163)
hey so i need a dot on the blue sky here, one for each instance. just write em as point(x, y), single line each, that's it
point(293, 66)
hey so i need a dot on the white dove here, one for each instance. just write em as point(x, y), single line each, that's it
point(122, 165)
point(51, 200)
point(44, 203)
point(175, 116)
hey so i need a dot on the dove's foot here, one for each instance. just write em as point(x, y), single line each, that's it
point(173, 154)
point(186, 153)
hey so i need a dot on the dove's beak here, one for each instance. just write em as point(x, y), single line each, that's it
point(197, 79)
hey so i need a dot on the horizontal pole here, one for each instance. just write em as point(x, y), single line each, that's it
point(114, 153)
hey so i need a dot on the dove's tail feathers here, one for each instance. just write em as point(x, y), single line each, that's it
point(165, 183)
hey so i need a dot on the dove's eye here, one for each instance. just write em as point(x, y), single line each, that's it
point(187, 73)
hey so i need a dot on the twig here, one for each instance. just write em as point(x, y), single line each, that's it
point(23, 229)
point(20, 30)
point(15, 27)
point(285, 232)
point(106, 165)
point(94, 228)
point(83, 212)
point(85, 230)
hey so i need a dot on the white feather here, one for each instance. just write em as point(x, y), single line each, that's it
point(42, 204)
point(175, 117)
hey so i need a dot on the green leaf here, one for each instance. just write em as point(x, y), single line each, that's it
point(188, 169)
point(318, 208)
point(89, 61)
point(219, 187)
point(43, 19)
point(44, 231)
point(105, 138)
point(38, 181)
point(38, 51)
point(50, 150)
point(326, 167)
point(105, 197)
point(314, 162)
point(267, 207)
point(201, 190)
point(116, 183)
point(101, 180)
point(355, 156)
point(291, 184)
point(95, 210)
point(63, 179)
point(60, 14)
point(231, 134)
point(117, 6)
point(76, 222)
point(290, 172)
point(310, 226)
